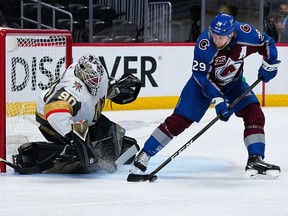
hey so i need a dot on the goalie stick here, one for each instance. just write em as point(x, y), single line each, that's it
point(18, 168)
point(129, 153)
point(47, 130)
point(152, 176)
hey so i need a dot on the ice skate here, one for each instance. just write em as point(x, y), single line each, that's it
point(257, 168)
point(140, 163)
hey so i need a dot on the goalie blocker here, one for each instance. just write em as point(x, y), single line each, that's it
point(89, 150)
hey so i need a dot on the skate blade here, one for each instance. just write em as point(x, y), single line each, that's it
point(270, 174)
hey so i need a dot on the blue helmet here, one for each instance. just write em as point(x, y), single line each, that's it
point(222, 24)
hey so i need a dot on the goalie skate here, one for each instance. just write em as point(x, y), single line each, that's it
point(256, 168)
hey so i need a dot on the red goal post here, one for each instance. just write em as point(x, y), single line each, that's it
point(29, 61)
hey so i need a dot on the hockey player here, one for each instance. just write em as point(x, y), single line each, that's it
point(217, 73)
point(82, 139)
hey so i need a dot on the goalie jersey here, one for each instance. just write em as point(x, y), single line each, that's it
point(68, 100)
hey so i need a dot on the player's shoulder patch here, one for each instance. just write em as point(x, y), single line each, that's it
point(248, 33)
point(203, 44)
point(246, 28)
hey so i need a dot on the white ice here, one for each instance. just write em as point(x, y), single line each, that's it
point(206, 179)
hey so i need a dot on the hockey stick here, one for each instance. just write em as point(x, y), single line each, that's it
point(10, 164)
point(18, 168)
point(47, 130)
point(152, 177)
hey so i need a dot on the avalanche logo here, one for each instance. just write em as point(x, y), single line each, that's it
point(227, 72)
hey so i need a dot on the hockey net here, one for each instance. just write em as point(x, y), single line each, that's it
point(30, 60)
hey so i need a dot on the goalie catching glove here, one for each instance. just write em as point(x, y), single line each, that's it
point(125, 90)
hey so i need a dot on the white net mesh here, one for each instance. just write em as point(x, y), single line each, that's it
point(33, 61)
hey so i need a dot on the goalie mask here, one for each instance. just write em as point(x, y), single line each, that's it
point(90, 70)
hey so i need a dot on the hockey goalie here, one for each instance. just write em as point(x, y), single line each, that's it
point(80, 139)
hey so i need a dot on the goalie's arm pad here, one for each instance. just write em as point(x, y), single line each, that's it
point(125, 90)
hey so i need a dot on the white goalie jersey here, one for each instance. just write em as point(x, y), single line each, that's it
point(69, 100)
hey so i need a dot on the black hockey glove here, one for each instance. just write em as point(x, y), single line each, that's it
point(125, 90)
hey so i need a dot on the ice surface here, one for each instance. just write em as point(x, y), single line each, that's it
point(206, 179)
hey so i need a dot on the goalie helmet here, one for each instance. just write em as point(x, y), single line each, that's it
point(223, 24)
point(90, 70)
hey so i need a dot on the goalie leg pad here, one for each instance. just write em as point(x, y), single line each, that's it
point(37, 156)
point(107, 137)
point(98, 154)
point(81, 141)
point(126, 144)
point(110, 140)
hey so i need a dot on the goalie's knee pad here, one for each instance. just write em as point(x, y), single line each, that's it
point(107, 134)
point(98, 144)
point(80, 139)
point(110, 140)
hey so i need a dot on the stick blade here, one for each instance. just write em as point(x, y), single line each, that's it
point(140, 178)
point(137, 178)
